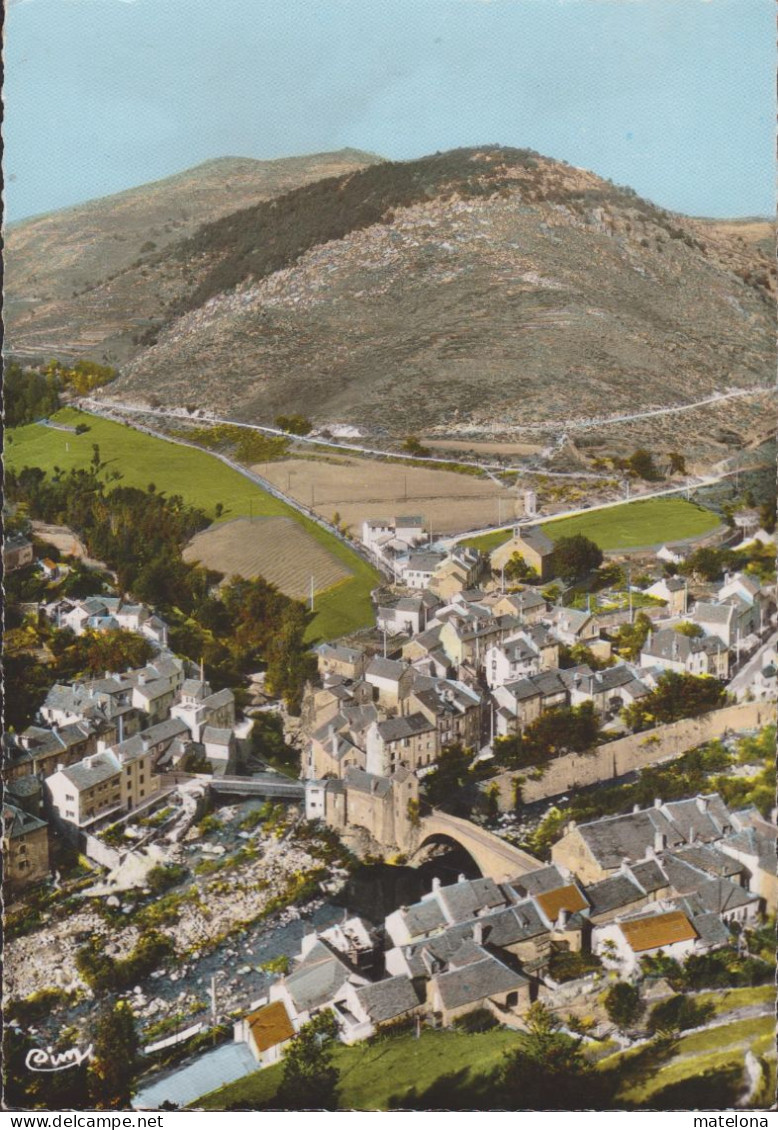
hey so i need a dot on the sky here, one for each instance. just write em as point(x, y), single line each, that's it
point(672, 97)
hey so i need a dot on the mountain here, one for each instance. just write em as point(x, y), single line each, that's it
point(64, 269)
point(466, 288)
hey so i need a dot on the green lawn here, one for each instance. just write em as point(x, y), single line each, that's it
point(652, 522)
point(203, 481)
point(373, 1074)
point(728, 999)
point(704, 1059)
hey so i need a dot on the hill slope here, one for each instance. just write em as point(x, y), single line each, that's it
point(57, 298)
point(474, 286)
point(469, 287)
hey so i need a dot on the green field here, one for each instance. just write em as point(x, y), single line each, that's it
point(653, 522)
point(704, 1068)
point(440, 1067)
point(375, 1076)
point(201, 480)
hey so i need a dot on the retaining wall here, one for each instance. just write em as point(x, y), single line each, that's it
point(636, 751)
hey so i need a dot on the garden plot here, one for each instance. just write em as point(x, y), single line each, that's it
point(277, 549)
point(356, 489)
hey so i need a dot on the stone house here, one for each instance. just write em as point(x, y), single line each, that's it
point(267, 1031)
point(18, 551)
point(200, 707)
point(668, 650)
point(25, 848)
point(457, 573)
point(335, 659)
point(452, 707)
point(520, 703)
point(418, 569)
point(407, 617)
point(622, 944)
point(572, 626)
point(476, 979)
point(392, 681)
point(38, 750)
point(598, 848)
point(535, 547)
point(674, 591)
point(409, 741)
point(528, 604)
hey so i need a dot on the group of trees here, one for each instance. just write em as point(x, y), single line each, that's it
point(33, 394)
point(296, 424)
point(677, 695)
point(575, 557)
point(141, 534)
point(563, 729)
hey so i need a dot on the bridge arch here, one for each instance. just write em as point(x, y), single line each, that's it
point(495, 858)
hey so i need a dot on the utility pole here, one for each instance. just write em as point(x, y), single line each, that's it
point(311, 592)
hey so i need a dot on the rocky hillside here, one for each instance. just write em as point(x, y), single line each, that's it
point(77, 280)
point(458, 290)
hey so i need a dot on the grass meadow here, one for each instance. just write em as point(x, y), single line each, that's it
point(202, 480)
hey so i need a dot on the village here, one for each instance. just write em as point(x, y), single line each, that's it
point(489, 690)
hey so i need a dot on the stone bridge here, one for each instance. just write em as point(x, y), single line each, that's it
point(495, 858)
point(271, 785)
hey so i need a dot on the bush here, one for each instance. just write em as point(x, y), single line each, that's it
point(479, 1021)
point(678, 1013)
point(162, 878)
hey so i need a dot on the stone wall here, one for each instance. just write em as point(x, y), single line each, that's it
point(626, 755)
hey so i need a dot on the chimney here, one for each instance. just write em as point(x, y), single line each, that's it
point(636, 808)
point(702, 803)
point(478, 933)
point(657, 802)
point(60, 766)
point(460, 878)
point(660, 841)
point(562, 917)
point(436, 883)
point(87, 762)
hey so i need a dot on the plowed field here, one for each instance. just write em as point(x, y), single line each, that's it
point(274, 548)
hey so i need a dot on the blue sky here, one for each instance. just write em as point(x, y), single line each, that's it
point(673, 97)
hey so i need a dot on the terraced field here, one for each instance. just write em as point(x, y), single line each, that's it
point(277, 549)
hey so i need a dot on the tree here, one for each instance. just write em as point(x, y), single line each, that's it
point(623, 1005)
point(641, 462)
point(449, 775)
point(677, 695)
point(114, 1058)
point(630, 638)
point(767, 516)
point(413, 446)
point(548, 1071)
point(310, 1080)
point(677, 463)
point(705, 563)
point(688, 628)
point(575, 557)
point(517, 569)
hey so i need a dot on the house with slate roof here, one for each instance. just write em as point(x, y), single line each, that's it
point(533, 545)
point(598, 848)
point(18, 551)
point(25, 848)
point(668, 650)
point(477, 979)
